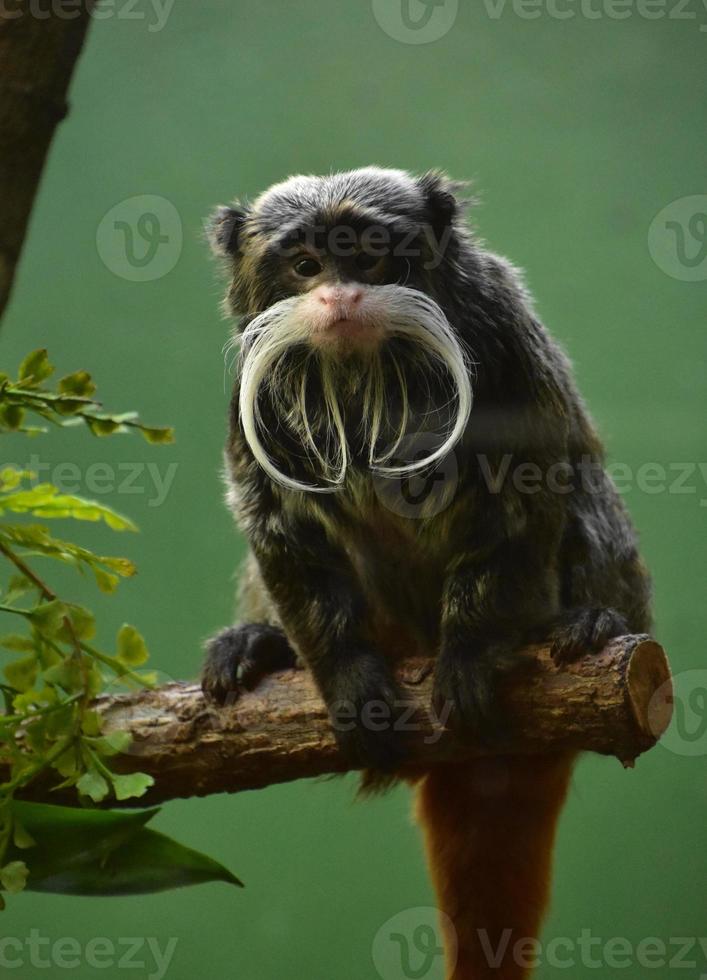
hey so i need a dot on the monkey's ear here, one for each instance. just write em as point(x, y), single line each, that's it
point(223, 229)
point(442, 198)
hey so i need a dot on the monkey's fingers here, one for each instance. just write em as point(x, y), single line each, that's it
point(239, 657)
point(584, 631)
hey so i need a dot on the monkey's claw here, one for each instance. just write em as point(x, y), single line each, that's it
point(585, 631)
point(239, 657)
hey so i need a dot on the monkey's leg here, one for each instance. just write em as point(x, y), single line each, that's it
point(606, 588)
point(320, 604)
point(489, 830)
point(489, 607)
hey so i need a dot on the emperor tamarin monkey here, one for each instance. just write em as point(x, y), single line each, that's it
point(379, 340)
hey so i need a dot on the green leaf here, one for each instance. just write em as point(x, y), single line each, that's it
point(92, 784)
point(18, 586)
point(83, 624)
point(36, 367)
point(106, 852)
point(146, 862)
point(21, 674)
point(122, 566)
point(36, 537)
point(113, 743)
point(134, 784)
point(45, 500)
point(48, 617)
point(157, 436)
point(81, 828)
point(33, 698)
point(21, 837)
point(132, 649)
point(27, 535)
point(13, 876)
point(11, 416)
point(11, 478)
point(106, 582)
point(17, 643)
point(70, 840)
point(91, 723)
point(66, 674)
point(103, 427)
point(79, 383)
point(69, 406)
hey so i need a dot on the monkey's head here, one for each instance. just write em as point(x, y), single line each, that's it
point(348, 348)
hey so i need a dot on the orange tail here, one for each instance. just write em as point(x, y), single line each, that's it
point(489, 830)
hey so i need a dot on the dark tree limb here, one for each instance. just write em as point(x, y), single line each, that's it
point(616, 703)
point(37, 59)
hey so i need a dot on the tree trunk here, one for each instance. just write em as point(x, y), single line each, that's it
point(39, 47)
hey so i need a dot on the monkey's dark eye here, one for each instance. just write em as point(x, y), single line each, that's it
point(307, 267)
point(367, 262)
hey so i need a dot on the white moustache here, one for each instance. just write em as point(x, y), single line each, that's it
point(395, 311)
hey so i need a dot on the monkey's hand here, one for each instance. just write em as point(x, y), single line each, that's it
point(365, 709)
point(239, 657)
point(464, 693)
point(581, 631)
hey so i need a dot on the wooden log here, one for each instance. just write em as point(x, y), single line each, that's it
point(617, 702)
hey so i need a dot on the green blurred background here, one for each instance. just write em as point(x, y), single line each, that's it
point(577, 133)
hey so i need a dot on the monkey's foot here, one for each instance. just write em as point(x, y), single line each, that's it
point(464, 695)
point(239, 657)
point(585, 631)
point(367, 714)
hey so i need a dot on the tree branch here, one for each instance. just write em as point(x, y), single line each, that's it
point(38, 51)
point(617, 703)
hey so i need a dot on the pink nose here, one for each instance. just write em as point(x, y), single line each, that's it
point(339, 296)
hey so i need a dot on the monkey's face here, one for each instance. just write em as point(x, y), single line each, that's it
point(345, 349)
point(334, 273)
